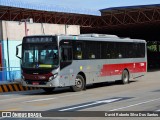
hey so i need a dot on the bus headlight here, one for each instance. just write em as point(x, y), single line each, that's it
point(53, 77)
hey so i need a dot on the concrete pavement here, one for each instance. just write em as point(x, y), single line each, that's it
point(139, 95)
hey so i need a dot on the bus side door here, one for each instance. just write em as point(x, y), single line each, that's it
point(65, 63)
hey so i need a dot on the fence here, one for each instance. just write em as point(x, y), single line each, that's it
point(10, 74)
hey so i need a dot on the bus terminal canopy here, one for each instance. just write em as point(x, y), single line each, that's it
point(122, 21)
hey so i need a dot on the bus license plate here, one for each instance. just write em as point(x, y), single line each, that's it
point(35, 83)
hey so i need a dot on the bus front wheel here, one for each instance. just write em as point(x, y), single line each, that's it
point(125, 77)
point(79, 84)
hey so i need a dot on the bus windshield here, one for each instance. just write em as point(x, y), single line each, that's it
point(38, 55)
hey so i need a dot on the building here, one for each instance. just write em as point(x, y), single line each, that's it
point(129, 21)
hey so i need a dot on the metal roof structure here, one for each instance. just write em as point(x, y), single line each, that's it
point(47, 7)
point(130, 7)
point(119, 20)
point(16, 10)
point(132, 14)
point(141, 22)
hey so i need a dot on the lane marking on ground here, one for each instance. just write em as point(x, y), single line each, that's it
point(45, 99)
point(90, 104)
point(94, 103)
point(135, 104)
point(40, 104)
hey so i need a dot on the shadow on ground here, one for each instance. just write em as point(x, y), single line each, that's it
point(67, 89)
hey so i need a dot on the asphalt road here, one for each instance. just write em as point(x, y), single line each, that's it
point(142, 94)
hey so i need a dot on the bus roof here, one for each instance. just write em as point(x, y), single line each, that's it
point(93, 37)
point(100, 37)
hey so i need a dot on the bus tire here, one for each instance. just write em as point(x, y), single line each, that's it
point(48, 90)
point(125, 77)
point(79, 84)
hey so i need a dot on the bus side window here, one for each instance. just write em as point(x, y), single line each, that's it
point(78, 54)
point(92, 56)
point(66, 56)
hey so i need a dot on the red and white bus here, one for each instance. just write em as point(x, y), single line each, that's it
point(75, 61)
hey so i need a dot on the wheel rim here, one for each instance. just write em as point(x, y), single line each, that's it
point(125, 77)
point(78, 83)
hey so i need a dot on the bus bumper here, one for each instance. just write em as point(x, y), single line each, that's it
point(52, 83)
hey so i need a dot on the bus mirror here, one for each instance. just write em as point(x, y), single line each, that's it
point(17, 51)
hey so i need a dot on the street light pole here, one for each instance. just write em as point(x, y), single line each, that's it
point(25, 27)
point(30, 20)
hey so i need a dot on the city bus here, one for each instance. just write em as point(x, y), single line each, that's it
point(51, 61)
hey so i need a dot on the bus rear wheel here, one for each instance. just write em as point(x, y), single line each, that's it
point(79, 84)
point(48, 90)
point(125, 77)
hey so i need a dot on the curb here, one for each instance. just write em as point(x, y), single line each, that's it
point(11, 87)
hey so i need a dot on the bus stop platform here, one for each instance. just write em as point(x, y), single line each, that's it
point(6, 86)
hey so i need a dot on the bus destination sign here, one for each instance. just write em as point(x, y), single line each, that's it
point(38, 39)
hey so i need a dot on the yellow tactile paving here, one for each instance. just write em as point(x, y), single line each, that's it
point(15, 87)
point(1, 89)
point(5, 88)
point(10, 87)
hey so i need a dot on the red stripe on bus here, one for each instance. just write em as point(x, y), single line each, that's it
point(117, 69)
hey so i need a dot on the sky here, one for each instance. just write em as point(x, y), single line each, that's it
point(96, 4)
